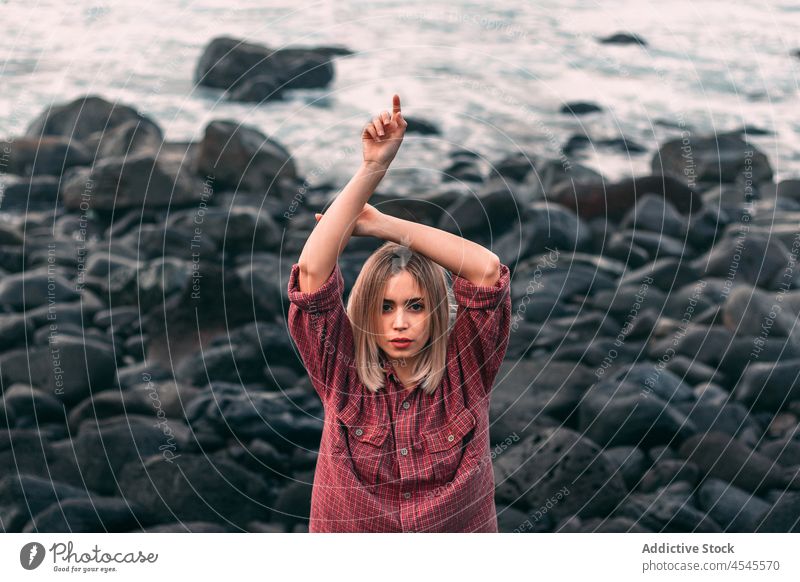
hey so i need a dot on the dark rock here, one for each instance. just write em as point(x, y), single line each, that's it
point(69, 368)
point(749, 311)
point(721, 457)
point(655, 214)
point(492, 208)
point(769, 386)
point(242, 158)
point(421, 126)
point(623, 38)
point(84, 116)
point(666, 512)
point(49, 155)
point(35, 288)
point(189, 527)
point(630, 461)
point(293, 502)
point(721, 157)
point(554, 388)
point(580, 108)
point(693, 372)
point(511, 520)
point(623, 144)
point(553, 172)
point(140, 180)
point(631, 419)
point(231, 409)
point(239, 230)
point(556, 461)
point(785, 452)
point(789, 189)
point(666, 472)
point(613, 200)
point(31, 452)
point(192, 488)
point(228, 62)
point(103, 451)
point(733, 509)
point(23, 496)
point(108, 403)
point(612, 525)
point(515, 166)
point(88, 515)
point(32, 406)
point(126, 139)
point(262, 87)
point(29, 193)
point(783, 516)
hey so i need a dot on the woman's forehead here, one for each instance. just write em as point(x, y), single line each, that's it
point(402, 287)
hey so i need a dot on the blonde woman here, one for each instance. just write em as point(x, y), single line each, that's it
point(405, 386)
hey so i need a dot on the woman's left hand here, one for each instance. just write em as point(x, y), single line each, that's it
point(366, 222)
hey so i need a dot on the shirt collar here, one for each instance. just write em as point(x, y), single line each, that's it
point(388, 369)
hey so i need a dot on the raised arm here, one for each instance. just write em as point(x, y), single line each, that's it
point(381, 138)
point(458, 255)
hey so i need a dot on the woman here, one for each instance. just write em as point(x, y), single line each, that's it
point(405, 388)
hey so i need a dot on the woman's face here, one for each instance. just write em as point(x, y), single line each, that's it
point(404, 314)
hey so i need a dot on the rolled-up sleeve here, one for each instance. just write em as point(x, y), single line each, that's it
point(321, 329)
point(481, 330)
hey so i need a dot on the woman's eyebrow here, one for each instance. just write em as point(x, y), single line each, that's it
point(412, 300)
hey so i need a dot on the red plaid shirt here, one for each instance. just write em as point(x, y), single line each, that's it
point(399, 461)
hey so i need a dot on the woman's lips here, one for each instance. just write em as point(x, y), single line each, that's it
point(403, 344)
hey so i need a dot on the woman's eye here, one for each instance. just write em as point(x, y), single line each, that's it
point(419, 306)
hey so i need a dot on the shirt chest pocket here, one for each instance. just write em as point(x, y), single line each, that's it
point(445, 445)
point(365, 448)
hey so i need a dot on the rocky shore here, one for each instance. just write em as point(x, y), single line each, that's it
point(149, 383)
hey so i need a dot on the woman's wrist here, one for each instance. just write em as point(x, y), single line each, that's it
point(385, 228)
point(375, 166)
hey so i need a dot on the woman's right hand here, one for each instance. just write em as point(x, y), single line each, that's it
point(381, 137)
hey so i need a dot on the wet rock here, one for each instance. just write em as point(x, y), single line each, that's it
point(614, 200)
point(192, 488)
point(48, 155)
point(623, 38)
point(580, 108)
point(80, 118)
point(140, 180)
point(239, 157)
point(769, 386)
point(85, 515)
point(721, 457)
point(733, 509)
point(565, 461)
point(715, 158)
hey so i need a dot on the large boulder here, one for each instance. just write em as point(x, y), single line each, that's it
point(46, 156)
point(715, 158)
point(230, 63)
point(141, 180)
point(84, 116)
point(242, 158)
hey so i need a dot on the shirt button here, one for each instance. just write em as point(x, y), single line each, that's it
point(403, 451)
point(407, 494)
point(406, 404)
point(359, 432)
point(450, 437)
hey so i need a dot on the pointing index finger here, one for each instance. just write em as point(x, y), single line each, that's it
point(395, 104)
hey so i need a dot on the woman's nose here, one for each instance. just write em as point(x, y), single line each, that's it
point(399, 320)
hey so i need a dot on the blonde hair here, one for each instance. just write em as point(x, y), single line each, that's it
point(365, 302)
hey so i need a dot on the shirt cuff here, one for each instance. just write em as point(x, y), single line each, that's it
point(481, 297)
point(324, 298)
